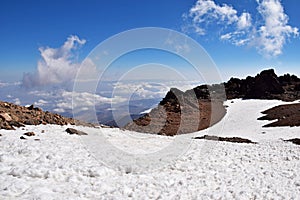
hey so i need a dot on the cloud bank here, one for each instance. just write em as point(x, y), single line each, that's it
point(267, 34)
point(57, 65)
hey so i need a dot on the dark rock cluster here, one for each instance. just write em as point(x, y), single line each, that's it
point(266, 85)
point(225, 139)
point(285, 115)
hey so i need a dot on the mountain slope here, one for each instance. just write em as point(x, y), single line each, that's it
point(201, 107)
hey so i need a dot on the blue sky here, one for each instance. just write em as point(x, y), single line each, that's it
point(27, 26)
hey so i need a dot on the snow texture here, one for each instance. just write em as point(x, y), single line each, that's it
point(59, 166)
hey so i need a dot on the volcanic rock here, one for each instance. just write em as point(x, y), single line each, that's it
point(29, 134)
point(266, 85)
point(5, 117)
point(74, 131)
point(226, 139)
point(295, 141)
point(12, 115)
point(180, 112)
point(286, 115)
point(196, 109)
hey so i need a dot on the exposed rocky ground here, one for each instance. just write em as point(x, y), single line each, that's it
point(12, 115)
point(179, 112)
point(266, 85)
point(286, 115)
point(294, 140)
point(196, 109)
point(225, 139)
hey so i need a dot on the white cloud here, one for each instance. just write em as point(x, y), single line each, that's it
point(226, 36)
point(244, 21)
point(273, 33)
point(205, 11)
point(3, 84)
point(40, 103)
point(268, 34)
point(57, 65)
point(59, 110)
point(81, 101)
point(17, 101)
point(148, 90)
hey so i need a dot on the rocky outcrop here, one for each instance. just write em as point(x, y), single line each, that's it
point(294, 140)
point(225, 139)
point(196, 109)
point(266, 85)
point(72, 131)
point(180, 112)
point(12, 115)
point(285, 115)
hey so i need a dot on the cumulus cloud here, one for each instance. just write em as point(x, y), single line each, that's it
point(205, 11)
point(41, 102)
point(57, 65)
point(84, 100)
point(150, 90)
point(268, 33)
point(244, 21)
point(273, 33)
point(17, 101)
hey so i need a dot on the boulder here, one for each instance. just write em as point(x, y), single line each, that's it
point(5, 117)
point(74, 131)
point(22, 138)
point(29, 134)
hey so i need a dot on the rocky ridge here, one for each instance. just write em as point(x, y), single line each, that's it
point(196, 109)
point(12, 116)
point(266, 85)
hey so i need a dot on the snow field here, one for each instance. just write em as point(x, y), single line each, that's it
point(59, 165)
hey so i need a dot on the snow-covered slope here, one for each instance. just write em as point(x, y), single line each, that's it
point(59, 165)
point(241, 120)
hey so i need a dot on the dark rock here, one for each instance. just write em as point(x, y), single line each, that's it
point(31, 107)
point(74, 131)
point(265, 85)
point(32, 122)
point(225, 139)
point(287, 79)
point(285, 115)
point(29, 134)
point(16, 124)
point(295, 141)
point(172, 97)
point(297, 87)
point(22, 138)
point(201, 92)
point(6, 125)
